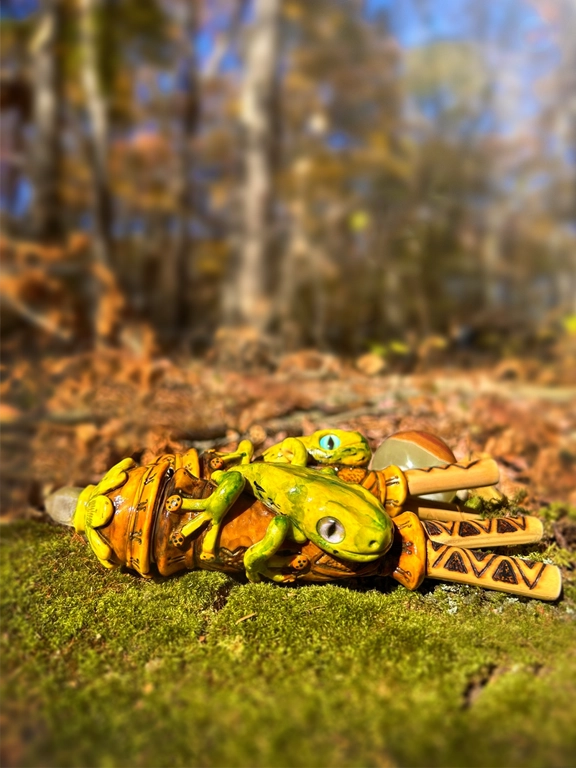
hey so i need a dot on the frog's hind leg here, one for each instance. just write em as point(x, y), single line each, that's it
point(257, 556)
point(214, 508)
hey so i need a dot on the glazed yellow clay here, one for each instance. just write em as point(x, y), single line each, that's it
point(326, 446)
point(342, 519)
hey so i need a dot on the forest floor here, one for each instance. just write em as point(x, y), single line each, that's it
point(107, 669)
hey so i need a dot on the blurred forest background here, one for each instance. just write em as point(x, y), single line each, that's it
point(258, 218)
point(260, 176)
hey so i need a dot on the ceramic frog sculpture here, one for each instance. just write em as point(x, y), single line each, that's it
point(325, 446)
point(341, 519)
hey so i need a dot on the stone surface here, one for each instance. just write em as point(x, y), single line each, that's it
point(61, 504)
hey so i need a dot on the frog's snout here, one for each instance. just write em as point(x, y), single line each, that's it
point(353, 534)
point(374, 541)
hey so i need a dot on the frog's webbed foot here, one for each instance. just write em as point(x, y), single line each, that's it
point(178, 537)
point(260, 556)
point(213, 510)
point(297, 563)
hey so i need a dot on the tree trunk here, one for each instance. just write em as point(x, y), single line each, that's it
point(491, 258)
point(105, 312)
point(180, 124)
point(96, 108)
point(296, 254)
point(46, 61)
point(258, 123)
point(394, 324)
point(186, 114)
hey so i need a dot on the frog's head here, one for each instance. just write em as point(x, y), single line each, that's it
point(337, 446)
point(349, 533)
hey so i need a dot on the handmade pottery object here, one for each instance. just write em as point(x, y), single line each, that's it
point(288, 521)
point(414, 449)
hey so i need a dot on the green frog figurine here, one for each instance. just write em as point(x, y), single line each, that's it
point(342, 519)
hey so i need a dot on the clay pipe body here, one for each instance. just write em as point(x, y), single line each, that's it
point(392, 486)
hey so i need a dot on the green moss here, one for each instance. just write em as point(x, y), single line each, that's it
point(556, 511)
point(107, 669)
point(554, 554)
point(498, 507)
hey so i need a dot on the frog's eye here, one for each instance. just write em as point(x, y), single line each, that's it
point(331, 529)
point(169, 473)
point(329, 442)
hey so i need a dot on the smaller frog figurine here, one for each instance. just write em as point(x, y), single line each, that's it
point(325, 446)
point(342, 519)
point(336, 447)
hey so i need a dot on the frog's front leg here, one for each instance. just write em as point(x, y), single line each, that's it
point(242, 455)
point(257, 556)
point(290, 451)
point(214, 508)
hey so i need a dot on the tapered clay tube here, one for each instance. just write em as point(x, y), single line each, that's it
point(452, 477)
